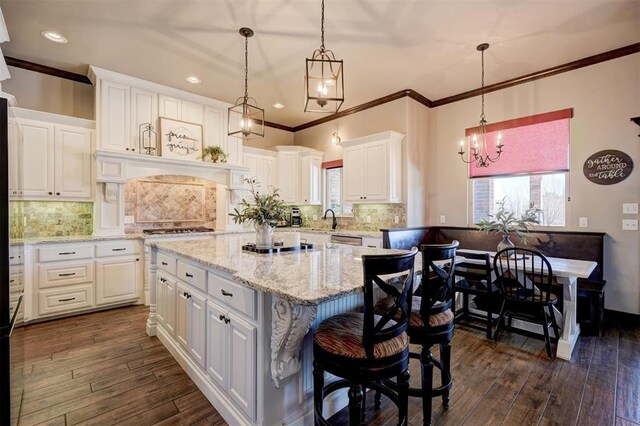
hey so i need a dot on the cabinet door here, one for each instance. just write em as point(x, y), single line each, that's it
point(192, 113)
point(288, 176)
point(251, 161)
point(161, 307)
point(242, 365)
point(196, 328)
point(376, 171)
point(217, 345)
point(170, 306)
point(353, 174)
point(15, 166)
point(144, 109)
point(72, 162)
point(170, 107)
point(181, 313)
point(37, 158)
point(214, 130)
point(117, 280)
point(315, 180)
point(115, 118)
point(267, 171)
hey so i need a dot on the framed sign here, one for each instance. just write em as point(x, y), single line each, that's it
point(608, 167)
point(180, 140)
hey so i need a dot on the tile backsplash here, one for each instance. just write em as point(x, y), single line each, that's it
point(50, 218)
point(169, 202)
point(381, 215)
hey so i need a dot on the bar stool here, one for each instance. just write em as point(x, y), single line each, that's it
point(431, 323)
point(363, 348)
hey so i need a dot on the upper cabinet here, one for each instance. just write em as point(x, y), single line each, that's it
point(144, 110)
point(372, 169)
point(299, 175)
point(177, 109)
point(262, 166)
point(114, 118)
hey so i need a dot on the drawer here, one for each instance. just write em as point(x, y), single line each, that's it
point(192, 275)
point(58, 253)
point(55, 301)
point(16, 257)
point(166, 263)
point(121, 248)
point(65, 273)
point(16, 283)
point(13, 302)
point(241, 298)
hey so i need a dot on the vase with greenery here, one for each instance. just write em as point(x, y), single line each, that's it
point(215, 153)
point(263, 209)
point(505, 222)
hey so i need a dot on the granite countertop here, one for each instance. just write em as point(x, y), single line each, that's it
point(330, 271)
point(350, 232)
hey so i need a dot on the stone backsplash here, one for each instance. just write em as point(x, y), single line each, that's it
point(50, 218)
point(382, 216)
point(169, 202)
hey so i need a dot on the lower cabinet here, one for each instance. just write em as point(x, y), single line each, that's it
point(231, 356)
point(191, 322)
point(117, 280)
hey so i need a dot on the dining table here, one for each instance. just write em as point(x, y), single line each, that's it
point(566, 272)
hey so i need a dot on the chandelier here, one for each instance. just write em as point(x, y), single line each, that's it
point(324, 79)
point(245, 118)
point(478, 142)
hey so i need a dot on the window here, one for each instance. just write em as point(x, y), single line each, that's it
point(333, 188)
point(531, 171)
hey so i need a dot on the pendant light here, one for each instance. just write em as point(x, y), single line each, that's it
point(245, 118)
point(324, 79)
point(478, 142)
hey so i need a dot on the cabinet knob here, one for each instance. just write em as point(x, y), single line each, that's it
point(163, 280)
point(51, 193)
point(57, 193)
point(164, 263)
point(227, 320)
point(137, 259)
point(127, 149)
point(222, 317)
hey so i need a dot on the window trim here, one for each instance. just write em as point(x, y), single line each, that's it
point(335, 164)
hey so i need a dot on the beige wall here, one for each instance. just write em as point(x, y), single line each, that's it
point(43, 92)
point(603, 97)
point(272, 137)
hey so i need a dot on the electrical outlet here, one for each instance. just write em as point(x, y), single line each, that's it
point(368, 219)
point(630, 224)
point(128, 220)
point(24, 221)
point(396, 219)
point(315, 217)
point(583, 222)
point(443, 219)
point(630, 208)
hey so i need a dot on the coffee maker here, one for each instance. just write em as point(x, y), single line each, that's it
point(296, 219)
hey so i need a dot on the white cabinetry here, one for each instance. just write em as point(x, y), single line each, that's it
point(15, 159)
point(310, 177)
point(37, 155)
point(177, 109)
point(262, 166)
point(191, 322)
point(299, 175)
point(114, 119)
point(215, 134)
point(166, 301)
point(288, 176)
point(144, 109)
point(72, 162)
point(118, 280)
point(372, 169)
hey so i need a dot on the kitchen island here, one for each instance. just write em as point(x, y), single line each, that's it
point(238, 322)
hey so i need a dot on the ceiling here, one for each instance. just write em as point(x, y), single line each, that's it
point(387, 45)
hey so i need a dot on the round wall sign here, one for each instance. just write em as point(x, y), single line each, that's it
point(608, 167)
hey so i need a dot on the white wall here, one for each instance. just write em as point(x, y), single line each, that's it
point(603, 97)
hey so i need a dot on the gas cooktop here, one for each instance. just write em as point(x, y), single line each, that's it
point(161, 231)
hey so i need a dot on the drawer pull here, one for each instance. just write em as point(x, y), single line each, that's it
point(69, 274)
point(226, 293)
point(69, 299)
point(222, 317)
point(11, 281)
point(188, 275)
point(163, 280)
point(227, 320)
point(187, 295)
point(165, 264)
point(11, 257)
point(372, 246)
point(118, 249)
point(65, 253)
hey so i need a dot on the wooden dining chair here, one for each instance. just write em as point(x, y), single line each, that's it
point(524, 278)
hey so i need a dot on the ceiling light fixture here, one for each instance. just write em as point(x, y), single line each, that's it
point(278, 105)
point(481, 155)
point(54, 36)
point(324, 79)
point(193, 79)
point(246, 119)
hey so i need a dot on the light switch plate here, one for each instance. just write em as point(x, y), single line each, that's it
point(630, 224)
point(396, 219)
point(630, 208)
point(443, 219)
point(128, 220)
point(315, 217)
point(583, 222)
point(368, 219)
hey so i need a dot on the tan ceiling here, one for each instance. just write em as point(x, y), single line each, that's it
point(387, 45)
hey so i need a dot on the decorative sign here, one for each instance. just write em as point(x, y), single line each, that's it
point(180, 140)
point(608, 167)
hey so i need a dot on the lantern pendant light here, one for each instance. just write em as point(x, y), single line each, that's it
point(245, 118)
point(478, 142)
point(324, 79)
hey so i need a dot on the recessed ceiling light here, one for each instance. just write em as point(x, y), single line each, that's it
point(278, 105)
point(193, 79)
point(54, 36)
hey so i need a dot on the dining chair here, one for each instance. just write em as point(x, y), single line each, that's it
point(524, 278)
point(473, 277)
point(365, 348)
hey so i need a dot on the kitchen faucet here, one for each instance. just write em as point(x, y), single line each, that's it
point(335, 222)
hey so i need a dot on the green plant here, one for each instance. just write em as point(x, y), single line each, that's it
point(267, 208)
point(214, 152)
point(505, 222)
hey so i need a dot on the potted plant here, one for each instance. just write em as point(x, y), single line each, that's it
point(264, 210)
point(505, 222)
point(215, 153)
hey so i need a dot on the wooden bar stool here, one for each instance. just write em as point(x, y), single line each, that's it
point(364, 348)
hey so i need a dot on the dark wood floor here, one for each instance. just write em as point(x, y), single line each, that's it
point(103, 369)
